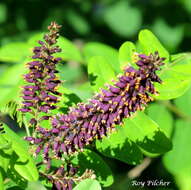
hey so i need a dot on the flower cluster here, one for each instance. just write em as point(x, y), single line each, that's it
point(40, 94)
point(61, 178)
point(97, 118)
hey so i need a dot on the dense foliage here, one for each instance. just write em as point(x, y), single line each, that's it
point(85, 115)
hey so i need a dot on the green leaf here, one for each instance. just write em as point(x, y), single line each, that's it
point(145, 133)
point(12, 110)
point(181, 63)
point(88, 184)
point(11, 184)
point(24, 164)
point(1, 180)
point(162, 117)
point(33, 40)
point(177, 161)
point(35, 185)
point(84, 91)
point(174, 85)
point(126, 54)
point(118, 146)
point(91, 160)
point(5, 158)
point(70, 52)
point(69, 73)
point(177, 56)
point(170, 36)
point(5, 153)
point(183, 181)
point(15, 177)
point(183, 103)
point(10, 83)
point(3, 141)
point(68, 99)
point(5, 146)
point(15, 188)
point(98, 49)
point(14, 52)
point(100, 72)
point(149, 44)
point(122, 18)
point(176, 77)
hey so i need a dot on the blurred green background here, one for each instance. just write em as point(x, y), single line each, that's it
point(111, 22)
point(107, 21)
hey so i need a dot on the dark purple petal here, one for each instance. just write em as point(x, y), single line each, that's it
point(114, 90)
point(29, 138)
point(28, 97)
point(33, 121)
point(38, 149)
point(25, 110)
point(63, 147)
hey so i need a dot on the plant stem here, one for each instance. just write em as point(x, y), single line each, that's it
point(137, 170)
point(175, 110)
point(26, 128)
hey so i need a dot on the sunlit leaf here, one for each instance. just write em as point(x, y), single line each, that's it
point(100, 72)
point(177, 161)
point(176, 77)
point(70, 52)
point(162, 117)
point(145, 132)
point(88, 184)
point(126, 54)
point(24, 164)
point(174, 85)
point(117, 145)
point(149, 44)
point(98, 49)
point(10, 84)
point(14, 52)
point(1, 180)
point(183, 103)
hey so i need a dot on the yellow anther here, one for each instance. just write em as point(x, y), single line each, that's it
point(134, 98)
point(126, 74)
point(135, 57)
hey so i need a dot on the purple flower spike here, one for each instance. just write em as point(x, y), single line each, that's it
point(98, 118)
point(42, 75)
point(41, 96)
